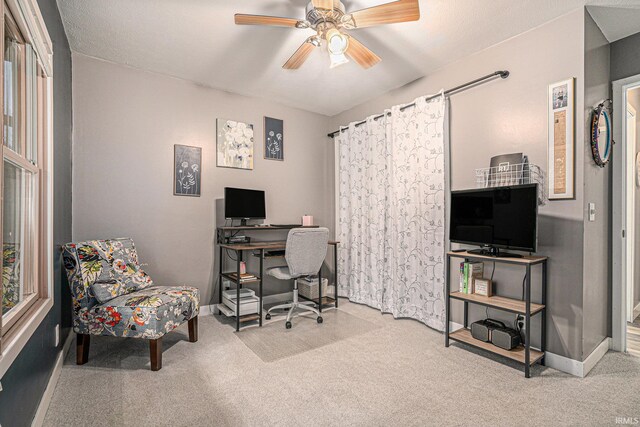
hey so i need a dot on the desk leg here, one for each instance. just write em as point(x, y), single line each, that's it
point(543, 332)
point(261, 280)
point(335, 269)
point(527, 322)
point(238, 290)
point(447, 302)
point(220, 278)
point(320, 290)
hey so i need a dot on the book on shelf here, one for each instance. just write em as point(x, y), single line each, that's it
point(469, 271)
point(244, 277)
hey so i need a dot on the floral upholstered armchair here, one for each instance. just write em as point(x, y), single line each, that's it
point(112, 295)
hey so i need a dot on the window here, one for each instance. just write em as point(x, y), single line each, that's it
point(25, 235)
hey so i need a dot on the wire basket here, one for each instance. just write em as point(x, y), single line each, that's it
point(513, 174)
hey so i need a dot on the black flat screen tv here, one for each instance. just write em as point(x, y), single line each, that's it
point(243, 204)
point(495, 218)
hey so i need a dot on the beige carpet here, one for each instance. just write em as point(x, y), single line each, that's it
point(398, 373)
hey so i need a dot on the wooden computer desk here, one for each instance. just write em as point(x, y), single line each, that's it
point(259, 249)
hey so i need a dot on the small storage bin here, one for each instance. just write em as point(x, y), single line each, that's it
point(309, 288)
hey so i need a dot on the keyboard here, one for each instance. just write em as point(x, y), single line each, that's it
point(286, 225)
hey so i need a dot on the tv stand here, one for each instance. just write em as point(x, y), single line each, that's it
point(493, 252)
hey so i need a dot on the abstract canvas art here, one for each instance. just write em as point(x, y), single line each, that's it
point(234, 144)
point(187, 163)
point(273, 139)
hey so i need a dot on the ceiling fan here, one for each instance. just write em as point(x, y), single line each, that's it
point(330, 20)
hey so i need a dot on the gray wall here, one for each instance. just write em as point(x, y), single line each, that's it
point(127, 122)
point(625, 57)
point(634, 100)
point(25, 381)
point(511, 116)
point(597, 182)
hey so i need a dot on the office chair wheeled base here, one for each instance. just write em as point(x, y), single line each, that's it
point(292, 306)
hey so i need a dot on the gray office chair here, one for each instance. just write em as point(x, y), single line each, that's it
point(305, 252)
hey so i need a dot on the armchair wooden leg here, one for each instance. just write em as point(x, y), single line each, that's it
point(82, 348)
point(155, 346)
point(193, 329)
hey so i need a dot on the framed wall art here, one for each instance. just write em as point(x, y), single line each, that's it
point(273, 139)
point(187, 169)
point(561, 144)
point(234, 144)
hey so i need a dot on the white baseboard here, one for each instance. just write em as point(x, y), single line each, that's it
point(636, 311)
point(43, 406)
point(207, 310)
point(453, 326)
point(595, 356)
point(575, 367)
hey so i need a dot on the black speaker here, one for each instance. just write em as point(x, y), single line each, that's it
point(506, 338)
point(482, 329)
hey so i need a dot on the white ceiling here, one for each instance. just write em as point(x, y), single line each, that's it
point(197, 40)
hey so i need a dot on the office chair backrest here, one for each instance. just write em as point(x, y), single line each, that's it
point(306, 249)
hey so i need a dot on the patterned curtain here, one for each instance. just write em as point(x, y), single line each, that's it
point(391, 213)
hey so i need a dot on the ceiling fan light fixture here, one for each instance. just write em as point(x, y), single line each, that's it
point(337, 43)
point(337, 60)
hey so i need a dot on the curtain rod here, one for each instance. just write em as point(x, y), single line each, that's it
point(503, 74)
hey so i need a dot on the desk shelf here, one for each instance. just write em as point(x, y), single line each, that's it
point(229, 313)
point(231, 278)
point(325, 300)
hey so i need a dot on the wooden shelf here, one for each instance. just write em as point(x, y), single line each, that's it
point(526, 259)
point(325, 300)
point(230, 313)
point(517, 354)
point(502, 303)
point(245, 282)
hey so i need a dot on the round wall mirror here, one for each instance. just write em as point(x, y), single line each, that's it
point(601, 135)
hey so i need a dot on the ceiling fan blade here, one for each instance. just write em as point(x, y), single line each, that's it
point(301, 55)
point(361, 54)
point(388, 13)
point(242, 19)
point(323, 4)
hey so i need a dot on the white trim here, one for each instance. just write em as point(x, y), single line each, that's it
point(17, 343)
point(618, 211)
point(206, 310)
point(575, 367)
point(38, 419)
point(630, 209)
point(453, 326)
point(33, 27)
point(636, 311)
point(595, 356)
point(29, 19)
point(336, 188)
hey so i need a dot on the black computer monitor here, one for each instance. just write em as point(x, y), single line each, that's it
point(244, 204)
point(501, 217)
